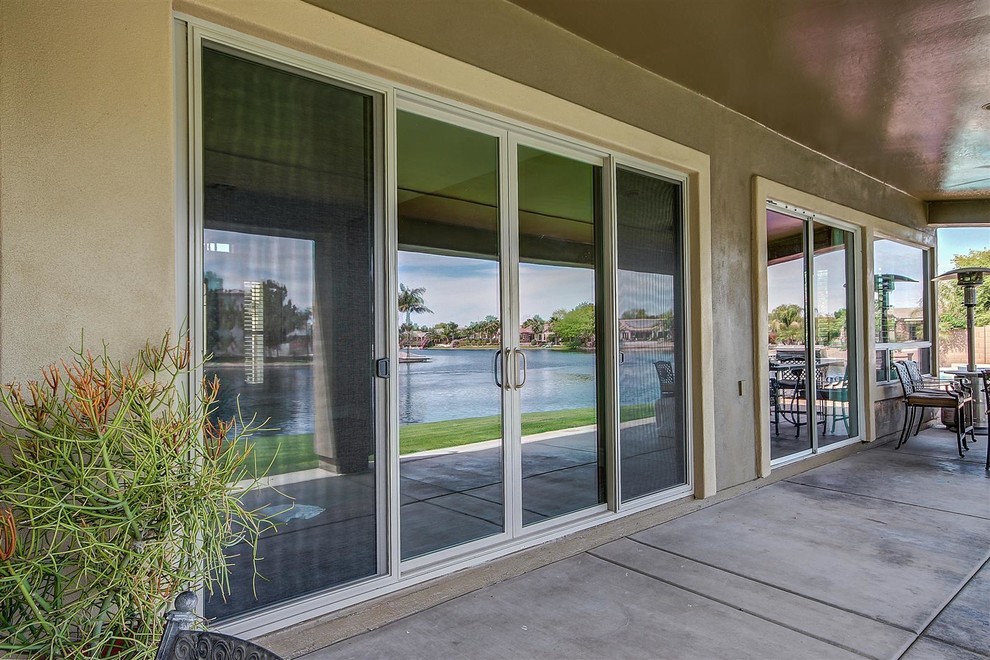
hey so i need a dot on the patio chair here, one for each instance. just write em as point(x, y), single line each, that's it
point(835, 393)
point(800, 394)
point(775, 404)
point(180, 642)
point(665, 372)
point(915, 399)
point(933, 385)
point(985, 376)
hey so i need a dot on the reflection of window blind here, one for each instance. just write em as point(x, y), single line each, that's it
point(254, 332)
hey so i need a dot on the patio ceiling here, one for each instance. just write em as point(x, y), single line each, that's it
point(892, 88)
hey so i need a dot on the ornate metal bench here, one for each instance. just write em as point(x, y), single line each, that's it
point(181, 642)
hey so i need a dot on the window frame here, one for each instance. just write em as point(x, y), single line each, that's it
point(927, 255)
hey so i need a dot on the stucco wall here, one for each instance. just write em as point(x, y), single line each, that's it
point(500, 37)
point(86, 186)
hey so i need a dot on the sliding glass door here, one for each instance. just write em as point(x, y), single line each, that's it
point(451, 356)
point(289, 251)
point(558, 370)
point(421, 301)
point(499, 374)
point(812, 323)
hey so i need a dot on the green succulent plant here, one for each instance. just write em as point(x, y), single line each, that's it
point(116, 493)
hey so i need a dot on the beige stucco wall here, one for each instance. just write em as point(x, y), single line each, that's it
point(86, 185)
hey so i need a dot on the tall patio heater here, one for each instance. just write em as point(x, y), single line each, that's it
point(969, 279)
point(884, 284)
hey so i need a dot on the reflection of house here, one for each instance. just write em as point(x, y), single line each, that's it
point(657, 329)
point(908, 323)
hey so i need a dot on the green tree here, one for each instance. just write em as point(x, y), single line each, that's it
point(952, 312)
point(576, 327)
point(787, 324)
point(829, 327)
point(411, 302)
point(638, 313)
point(282, 316)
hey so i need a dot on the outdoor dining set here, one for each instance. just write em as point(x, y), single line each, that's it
point(789, 392)
point(922, 393)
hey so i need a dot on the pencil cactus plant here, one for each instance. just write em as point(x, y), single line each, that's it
point(115, 494)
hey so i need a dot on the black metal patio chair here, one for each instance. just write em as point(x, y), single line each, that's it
point(985, 376)
point(919, 399)
point(181, 642)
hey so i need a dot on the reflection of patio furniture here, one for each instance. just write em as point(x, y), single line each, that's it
point(775, 404)
point(179, 641)
point(799, 403)
point(663, 408)
point(835, 393)
point(665, 372)
point(915, 399)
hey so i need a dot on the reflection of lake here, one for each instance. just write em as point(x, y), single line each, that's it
point(454, 384)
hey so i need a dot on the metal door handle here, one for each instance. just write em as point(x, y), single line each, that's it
point(523, 356)
point(495, 362)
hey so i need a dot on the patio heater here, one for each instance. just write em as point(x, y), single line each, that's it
point(884, 284)
point(969, 279)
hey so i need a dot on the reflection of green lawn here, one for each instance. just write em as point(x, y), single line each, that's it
point(285, 453)
point(457, 432)
point(290, 453)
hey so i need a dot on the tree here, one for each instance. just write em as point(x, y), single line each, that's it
point(787, 324)
point(952, 312)
point(411, 302)
point(282, 317)
point(576, 327)
point(829, 327)
point(638, 313)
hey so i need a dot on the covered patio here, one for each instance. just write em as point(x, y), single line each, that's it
point(883, 554)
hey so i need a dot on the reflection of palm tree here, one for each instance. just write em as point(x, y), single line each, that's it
point(410, 302)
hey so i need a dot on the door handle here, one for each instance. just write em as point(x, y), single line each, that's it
point(495, 362)
point(523, 364)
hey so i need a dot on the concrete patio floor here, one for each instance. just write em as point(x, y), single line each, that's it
point(883, 554)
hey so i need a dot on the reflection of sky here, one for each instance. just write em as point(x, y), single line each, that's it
point(253, 257)
point(785, 283)
point(464, 290)
point(893, 258)
point(953, 241)
point(650, 291)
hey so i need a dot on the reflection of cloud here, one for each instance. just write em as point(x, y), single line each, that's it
point(545, 289)
point(463, 290)
point(653, 292)
point(785, 283)
point(254, 258)
point(458, 289)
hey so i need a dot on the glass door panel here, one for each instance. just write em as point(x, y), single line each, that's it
point(787, 294)
point(834, 307)
point(557, 364)
point(650, 308)
point(289, 229)
point(450, 336)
